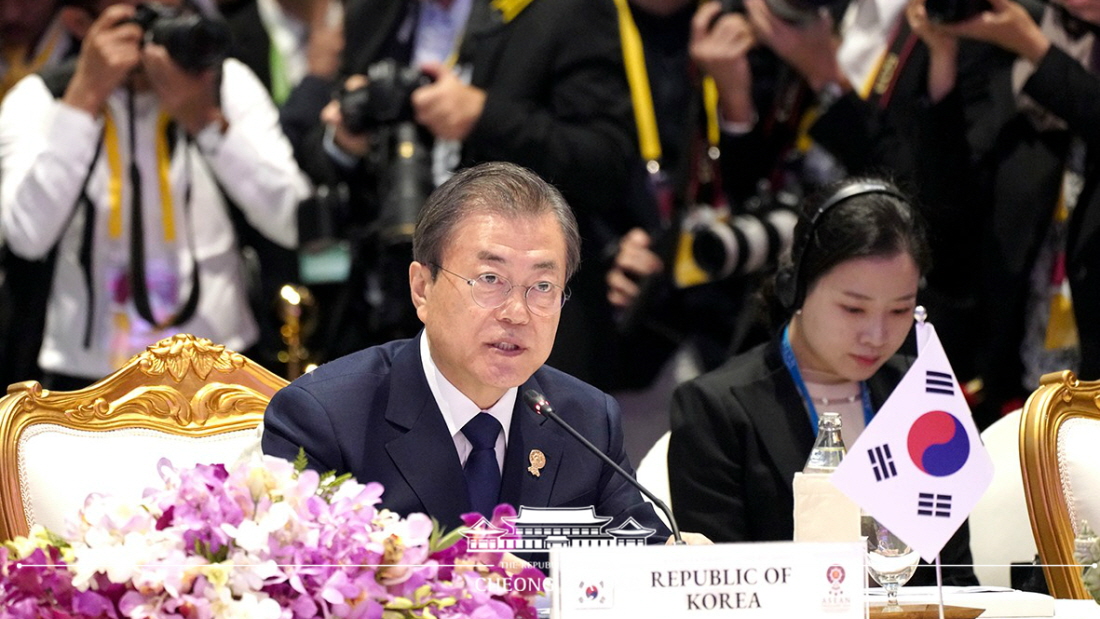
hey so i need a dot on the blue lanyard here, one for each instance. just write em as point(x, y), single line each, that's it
point(796, 374)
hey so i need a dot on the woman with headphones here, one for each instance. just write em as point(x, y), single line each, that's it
point(740, 432)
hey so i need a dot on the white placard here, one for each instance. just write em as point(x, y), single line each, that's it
point(752, 580)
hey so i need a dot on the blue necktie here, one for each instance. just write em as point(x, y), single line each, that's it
point(482, 472)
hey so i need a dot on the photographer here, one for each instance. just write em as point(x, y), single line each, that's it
point(1040, 262)
point(878, 99)
point(125, 164)
point(540, 84)
point(32, 38)
point(734, 215)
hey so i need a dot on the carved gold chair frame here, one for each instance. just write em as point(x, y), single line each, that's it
point(1061, 397)
point(182, 385)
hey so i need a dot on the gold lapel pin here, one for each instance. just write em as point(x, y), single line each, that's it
point(538, 460)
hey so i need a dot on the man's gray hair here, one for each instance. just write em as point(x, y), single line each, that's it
point(497, 188)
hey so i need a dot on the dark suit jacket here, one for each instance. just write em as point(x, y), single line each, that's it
point(1067, 89)
point(1021, 182)
point(251, 43)
point(928, 148)
point(557, 100)
point(739, 434)
point(372, 414)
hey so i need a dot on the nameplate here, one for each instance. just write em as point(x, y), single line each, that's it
point(752, 580)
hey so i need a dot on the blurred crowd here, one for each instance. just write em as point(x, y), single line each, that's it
point(250, 170)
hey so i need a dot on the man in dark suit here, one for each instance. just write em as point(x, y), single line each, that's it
point(539, 83)
point(493, 250)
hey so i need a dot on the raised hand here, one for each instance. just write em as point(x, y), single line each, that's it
point(942, 47)
point(719, 46)
point(1006, 25)
point(634, 260)
point(189, 98)
point(810, 48)
point(448, 107)
point(110, 51)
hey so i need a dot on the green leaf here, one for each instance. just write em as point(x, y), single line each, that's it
point(438, 541)
point(56, 540)
point(399, 604)
point(330, 483)
point(301, 462)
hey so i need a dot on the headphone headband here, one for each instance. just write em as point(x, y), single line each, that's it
point(788, 285)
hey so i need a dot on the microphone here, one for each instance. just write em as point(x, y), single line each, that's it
point(538, 403)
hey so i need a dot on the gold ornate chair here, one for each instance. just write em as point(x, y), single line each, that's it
point(184, 398)
point(1060, 461)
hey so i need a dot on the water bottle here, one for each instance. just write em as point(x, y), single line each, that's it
point(828, 449)
point(822, 513)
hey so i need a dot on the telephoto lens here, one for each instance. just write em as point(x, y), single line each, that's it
point(744, 243)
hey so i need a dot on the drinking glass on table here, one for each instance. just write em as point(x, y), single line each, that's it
point(890, 561)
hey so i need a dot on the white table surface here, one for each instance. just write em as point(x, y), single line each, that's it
point(1063, 609)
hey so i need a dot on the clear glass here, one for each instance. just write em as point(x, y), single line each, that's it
point(828, 449)
point(490, 291)
point(890, 561)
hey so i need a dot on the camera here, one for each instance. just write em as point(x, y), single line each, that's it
point(748, 242)
point(195, 42)
point(384, 99)
point(791, 11)
point(951, 11)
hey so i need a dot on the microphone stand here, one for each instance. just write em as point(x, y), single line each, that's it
point(540, 405)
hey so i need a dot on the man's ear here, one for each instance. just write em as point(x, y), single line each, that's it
point(76, 20)
point(420, 281)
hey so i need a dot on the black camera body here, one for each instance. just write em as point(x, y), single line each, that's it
point(384, 99)
point(951, 11)
point(791, 11)
point(195, 42)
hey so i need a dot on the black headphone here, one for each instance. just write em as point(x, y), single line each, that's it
point(789, 288)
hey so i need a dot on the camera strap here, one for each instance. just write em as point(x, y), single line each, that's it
point(138, 283)
point(641, 97)
point(645, 117)
point(880, 84)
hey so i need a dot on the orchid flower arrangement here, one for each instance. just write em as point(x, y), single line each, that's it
point(1087, 553)
point(263, 539)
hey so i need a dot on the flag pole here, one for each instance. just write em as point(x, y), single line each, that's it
point(939, 583)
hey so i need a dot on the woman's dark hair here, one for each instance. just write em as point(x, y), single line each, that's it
point(854, 218)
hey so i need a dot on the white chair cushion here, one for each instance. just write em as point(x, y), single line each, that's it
point(59, 466)
point(1000, 530)
point(653, 472)
point(1079, 468)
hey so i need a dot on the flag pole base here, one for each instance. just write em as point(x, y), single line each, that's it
point(924, 611)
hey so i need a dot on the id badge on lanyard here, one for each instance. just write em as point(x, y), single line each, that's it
point(129, 333)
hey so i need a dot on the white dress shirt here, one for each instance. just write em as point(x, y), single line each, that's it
point(866, 30)
point(458, 409)
point(46, 148)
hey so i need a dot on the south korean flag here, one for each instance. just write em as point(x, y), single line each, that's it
point(920, 466)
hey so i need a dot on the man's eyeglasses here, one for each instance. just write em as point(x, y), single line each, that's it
point(490, 291)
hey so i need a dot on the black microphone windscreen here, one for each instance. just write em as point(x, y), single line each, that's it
point(536, 401)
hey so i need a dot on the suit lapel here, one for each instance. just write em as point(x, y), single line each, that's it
point(483, 41)
point(529, 432)
point(425, 454)
point(786, 437)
